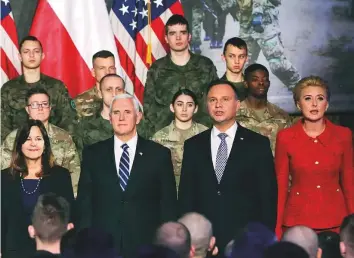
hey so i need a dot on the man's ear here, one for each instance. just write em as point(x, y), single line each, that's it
point(70, 226)
point(31, 231)
point(213, 247)
point(192, 251)
point(342, 248)
point(319, 253)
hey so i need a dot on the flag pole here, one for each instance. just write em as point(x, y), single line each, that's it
point(148, 53)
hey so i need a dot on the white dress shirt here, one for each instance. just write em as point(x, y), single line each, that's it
point(215, 140)
point(118, 150)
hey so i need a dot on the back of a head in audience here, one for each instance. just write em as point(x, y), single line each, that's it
point(285, 250)
point(156, 251)
point(347, 237)
point(201, 231)
point(50, 221)
point(304, 237)
point(251, 241)
point(328, 241)
point(176, 237)
point(93, 243)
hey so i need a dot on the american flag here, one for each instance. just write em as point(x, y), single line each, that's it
point(138, 27)
point(10, 63)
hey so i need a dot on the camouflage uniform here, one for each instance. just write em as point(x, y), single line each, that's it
point(63, 149)
point(268, 41)
point(88, 103)
point(240, 88)
point(164, 79)
point(193, 12)
point(91, 130)
point(172, 138)
point(13, 112)
point(272, 121)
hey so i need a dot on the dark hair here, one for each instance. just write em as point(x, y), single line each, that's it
point(176, 19)
point(50, 217)
point(328, 241)
point(219, 82)
point(34, 91)
point(176, 237)
point(285, 249)
point(18, 162)
point(185, 92)
point(236, 42)
point(347, 231)
point(111, 75)
point(255, 67)
point(29, 38)
point(102, 54)
point(155, 251)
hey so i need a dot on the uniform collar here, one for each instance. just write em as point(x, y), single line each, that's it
point(192, 62)
point(173, 132)
point(270, 111)
point(22, 80)
point(224, 77)
point(324, 138)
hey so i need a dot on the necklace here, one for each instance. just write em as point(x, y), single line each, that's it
point(35, 190)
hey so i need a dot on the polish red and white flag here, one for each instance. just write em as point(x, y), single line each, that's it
point(71, 32)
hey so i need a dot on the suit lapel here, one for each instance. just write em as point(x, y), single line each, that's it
point(137, 166)
point(111, 165)
point(235, 157)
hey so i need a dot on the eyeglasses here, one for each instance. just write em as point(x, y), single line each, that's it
point(36, 105)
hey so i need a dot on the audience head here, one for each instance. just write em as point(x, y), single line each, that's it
point(175, 236)
point(110, 86)
point(31, 143)
point(222, 103)
point(177, 34)
point(201, 231)
point(31, 52)
point(285, 250)
point(184, 105)
point(304, 237)
point(125, 115)
point(103, 63)
point(235, 55)
point(257, 80)
point(38, 104)
point(347, 237)
point(50, 219)
point(311, 95)
point(156, 251)
point(251, 241)
point(329, 244)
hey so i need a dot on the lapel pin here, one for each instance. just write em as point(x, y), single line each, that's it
point(140, 153)
point(241, 138)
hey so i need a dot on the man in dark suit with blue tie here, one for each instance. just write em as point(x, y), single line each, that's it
point(127, 185)
point(227, 171)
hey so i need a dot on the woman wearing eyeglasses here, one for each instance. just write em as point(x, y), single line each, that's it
point(32, 172)
point(63, 147)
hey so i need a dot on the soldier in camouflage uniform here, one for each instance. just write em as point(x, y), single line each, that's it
point(259, 27)
point(235, 57)
point(97, 128)
point(184, 105)
point(14, 91)
point(62, 145)
point(89, 102)
point(256, 112)
point(178, 69)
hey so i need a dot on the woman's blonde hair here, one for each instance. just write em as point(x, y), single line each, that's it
point(307, 82)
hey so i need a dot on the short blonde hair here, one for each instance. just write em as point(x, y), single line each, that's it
point(307, 82)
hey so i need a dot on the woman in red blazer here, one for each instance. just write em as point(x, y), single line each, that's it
point(319, 157)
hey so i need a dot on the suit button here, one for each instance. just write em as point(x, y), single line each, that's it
point(219, 193)
point(315, 141)
point(337, 190)
point(317, 162)
point(297, 193)
point(318, 186)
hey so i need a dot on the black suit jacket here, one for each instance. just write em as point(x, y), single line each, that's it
point(132, 216)
point(14, 226)
point(247, 191)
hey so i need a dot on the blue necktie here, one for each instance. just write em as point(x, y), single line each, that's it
point(124, 167)
point(221, 157)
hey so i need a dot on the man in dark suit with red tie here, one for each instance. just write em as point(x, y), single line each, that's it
point(127, 185)
point(228, 171)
